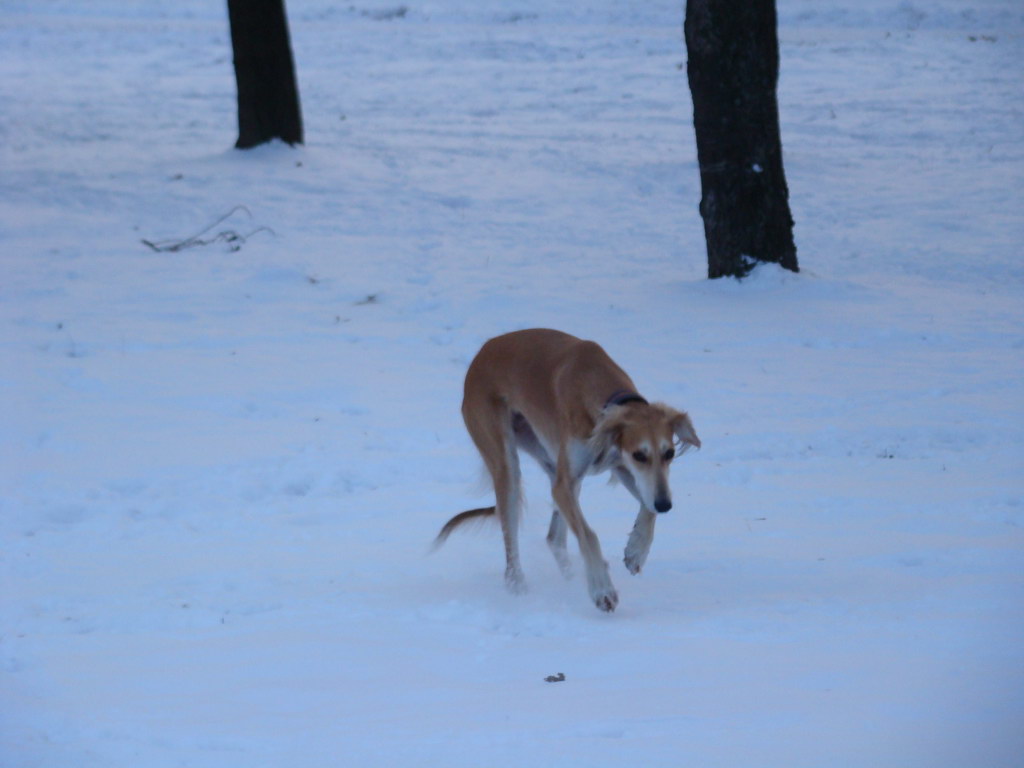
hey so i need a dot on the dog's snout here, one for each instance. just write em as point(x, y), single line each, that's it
point(662, 505)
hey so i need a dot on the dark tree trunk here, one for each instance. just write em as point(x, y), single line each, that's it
point(268, 100)
point(733, 68)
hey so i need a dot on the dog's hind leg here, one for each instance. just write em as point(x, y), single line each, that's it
point(511, 514)
point(490, 426)
point(556, 543)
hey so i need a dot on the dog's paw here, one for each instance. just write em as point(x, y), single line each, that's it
point(601, 589)
point(607, 601)
point(515, 582)
point(634, 563)
point(638, 547)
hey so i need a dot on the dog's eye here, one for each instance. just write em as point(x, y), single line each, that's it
point(639, 457)
point(669, 454)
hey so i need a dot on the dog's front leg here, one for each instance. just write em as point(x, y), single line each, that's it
point(639, 544)
point(599, 583)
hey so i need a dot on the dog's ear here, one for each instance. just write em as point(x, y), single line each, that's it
point(682, 427)
point(604, 440)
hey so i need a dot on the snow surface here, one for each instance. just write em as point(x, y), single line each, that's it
point(222, 467)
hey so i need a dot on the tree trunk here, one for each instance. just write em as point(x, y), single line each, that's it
point(733, 69)
point(268, 100)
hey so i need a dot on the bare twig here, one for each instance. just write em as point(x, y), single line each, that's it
point(234, 239)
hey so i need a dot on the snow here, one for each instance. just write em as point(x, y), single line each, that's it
point(222, 467)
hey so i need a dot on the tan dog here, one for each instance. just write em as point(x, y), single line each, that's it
point(567, 404)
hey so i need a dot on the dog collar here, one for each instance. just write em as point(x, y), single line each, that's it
point(623, 396)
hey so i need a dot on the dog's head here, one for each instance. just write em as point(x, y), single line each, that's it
point(642, 439)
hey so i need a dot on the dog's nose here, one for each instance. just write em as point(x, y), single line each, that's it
point(662, 505)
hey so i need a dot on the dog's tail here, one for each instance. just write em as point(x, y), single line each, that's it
point(459, 519)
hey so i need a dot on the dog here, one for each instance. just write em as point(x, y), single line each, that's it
point(565, 402)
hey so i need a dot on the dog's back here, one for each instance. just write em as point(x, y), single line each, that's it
point(539, 372)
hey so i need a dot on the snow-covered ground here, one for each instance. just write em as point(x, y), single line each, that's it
point(222, 467)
